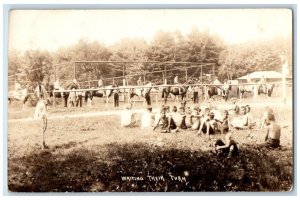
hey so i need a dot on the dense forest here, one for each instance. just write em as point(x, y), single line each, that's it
point(226, 61)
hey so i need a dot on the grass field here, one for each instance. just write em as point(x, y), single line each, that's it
point(94, 154)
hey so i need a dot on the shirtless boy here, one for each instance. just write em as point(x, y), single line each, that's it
point(272, 138)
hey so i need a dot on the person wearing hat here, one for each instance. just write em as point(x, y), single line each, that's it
point(272, 137)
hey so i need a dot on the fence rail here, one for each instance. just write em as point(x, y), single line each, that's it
point(159, 86)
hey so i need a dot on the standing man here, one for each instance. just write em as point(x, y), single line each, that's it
point(176, 82)
point(196, 94)
point(79, 98)
point(116, 96)
point(263, 83)
point(41, 91)
point(249, 79)
point(57, 84)
point(139, 81)
point(100, 83)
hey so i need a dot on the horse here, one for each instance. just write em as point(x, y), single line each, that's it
point(218, 90)
point(252, 89)
point(143, 92)
point(64, 95)
point(23, 95)
point(266, 89)
point(175, 90)
point(106, 91)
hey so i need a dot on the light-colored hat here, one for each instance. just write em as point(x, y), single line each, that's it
point(74, 81)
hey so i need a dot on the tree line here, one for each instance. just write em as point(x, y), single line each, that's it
point(230, 61)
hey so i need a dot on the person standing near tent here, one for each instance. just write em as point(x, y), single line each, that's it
point(100, 83)
point(263, 83)
point(249, 79)
point(139, 81)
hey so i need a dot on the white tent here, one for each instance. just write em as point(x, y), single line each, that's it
point(259, 74)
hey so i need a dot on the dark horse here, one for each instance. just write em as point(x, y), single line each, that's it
point(175, 90)
point(64, 95)
point(143, 92)
point(266, 89)
point(101, 92)
point(219, 90)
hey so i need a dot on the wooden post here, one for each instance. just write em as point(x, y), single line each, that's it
point(144, 78)
point(284, 72)
point(205, 93)
point(213, 69)
point(201, 73)
point(55, 73)
point(163, 75)
point(106, 102)
point(186, 75)
point(54, 98)
point(89, 79)
point(74, 70)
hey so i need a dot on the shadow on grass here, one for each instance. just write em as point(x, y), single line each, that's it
point(143, 168)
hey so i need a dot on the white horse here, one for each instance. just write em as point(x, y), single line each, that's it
point(20, 95)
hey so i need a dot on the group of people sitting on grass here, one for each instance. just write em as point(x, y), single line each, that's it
point(206, 121)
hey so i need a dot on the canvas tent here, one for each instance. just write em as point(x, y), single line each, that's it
point(256, 76)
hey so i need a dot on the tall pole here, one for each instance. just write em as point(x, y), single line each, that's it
point(201, 73)
point(165, 75)
point(74, 70)
point(284, 71)
point(55, 75)
point(186, 75)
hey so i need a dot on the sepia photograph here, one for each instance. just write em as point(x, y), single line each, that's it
point(150, 100)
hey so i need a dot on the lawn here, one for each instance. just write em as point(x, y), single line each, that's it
point(94, 154)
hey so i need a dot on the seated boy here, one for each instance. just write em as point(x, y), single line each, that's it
point(208, 126)
point(228, 148)
point(166, 124)
point(195, 118)
point(272, 138)
point(147, 118)
point(223, 125)
point(127, 118)
point(235, 109)
point(241, 122)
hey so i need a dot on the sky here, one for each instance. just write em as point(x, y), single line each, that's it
point(52, 29)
